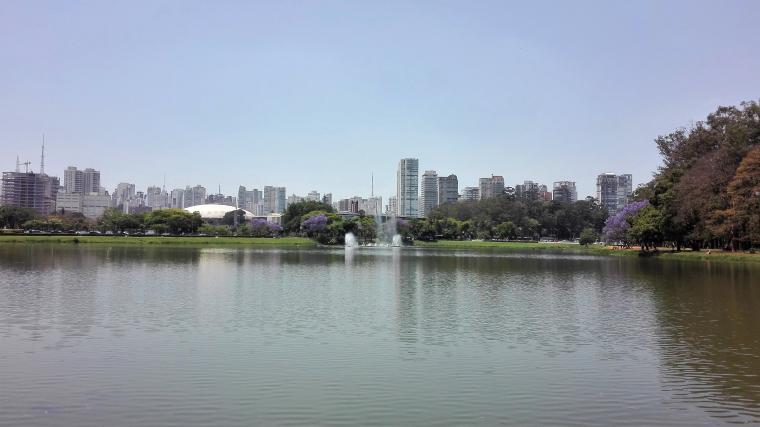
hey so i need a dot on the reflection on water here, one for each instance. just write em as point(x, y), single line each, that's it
point(94, 335)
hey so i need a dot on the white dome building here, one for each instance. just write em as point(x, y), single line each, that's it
point(216, 211)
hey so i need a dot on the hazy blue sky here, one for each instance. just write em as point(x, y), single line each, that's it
point(317, 94)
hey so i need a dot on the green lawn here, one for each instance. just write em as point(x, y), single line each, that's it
point(442, 244)
point(468, 244)
point(158, 240)
point(593, 249)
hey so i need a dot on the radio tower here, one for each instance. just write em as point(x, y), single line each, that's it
point(42, 158)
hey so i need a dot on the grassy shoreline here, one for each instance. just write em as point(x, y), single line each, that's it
point(162, 240)
point(713, 255)
point(441, 244)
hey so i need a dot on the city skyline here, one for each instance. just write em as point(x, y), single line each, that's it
point(349, 89)
point(80, 191)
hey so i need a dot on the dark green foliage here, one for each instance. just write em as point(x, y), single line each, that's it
point(293, 216)
point(507, 218)
point(588, 236)
point(173, 221)
point(229, 217)
point(14, 217)
point(691, 191)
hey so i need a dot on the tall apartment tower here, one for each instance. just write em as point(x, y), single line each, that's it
point(614, 191)
point(565, 192)
point(624, 189)
point(123, 193)
point(81, 181)
point(470, 194)
point(194, 196)
point(274, 199)
point(607, 191)
point(177, 198)
point(248, 199)
point(73, 180)
point(392, 207)
point(407, 188)
point(429, 192)
point(156, 198)
point(491, 187)
point(448, 189)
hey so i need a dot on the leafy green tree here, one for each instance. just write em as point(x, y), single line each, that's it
point(229, 217)
point(646, 228)
point(588, 236)
point(691, 189)
point(14, 217)
point(506, 230)
point(35, 224)
point(292, 218)
point(174, 221)
point(367, 232)
point(744, 198)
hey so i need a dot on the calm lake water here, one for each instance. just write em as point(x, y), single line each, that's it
point(95, 335)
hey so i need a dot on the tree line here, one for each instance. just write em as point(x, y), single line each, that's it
point(706, 194)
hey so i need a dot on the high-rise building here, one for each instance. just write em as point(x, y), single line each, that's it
point(392, 208)
point(372, 206)
point(349, 205)
point(407, 188)
point(274, 200)
point(448, 189)
point(327, 199)
point(565, 192)
point(177, 198)
point(614, 191)
point(429, 192)
point(68, 202)
point(81, 181)
point(194, 196)
point(91, 181)
point(293, 199)
point(73, 180)
point(625, 189)
point(491, 187)
point(156, 198)
point(36, 191)
point(248, 199)
point(95, 204)
point(470, 194)
point(534, 191)
point(281, 200)
point(313, 196)
point(123, 194)
point(221, 199)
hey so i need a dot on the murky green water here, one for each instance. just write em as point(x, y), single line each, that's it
point(94, 336)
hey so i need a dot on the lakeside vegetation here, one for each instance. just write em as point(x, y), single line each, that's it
point(662, 253)
point(707, 192)
point(162, 240)
point(301, 242)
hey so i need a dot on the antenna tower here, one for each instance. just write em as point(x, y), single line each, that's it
point(42, 158)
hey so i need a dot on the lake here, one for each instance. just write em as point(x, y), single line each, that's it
point(180, 336)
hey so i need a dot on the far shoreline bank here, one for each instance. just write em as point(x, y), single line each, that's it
point(662, 253)
point(302, 242)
